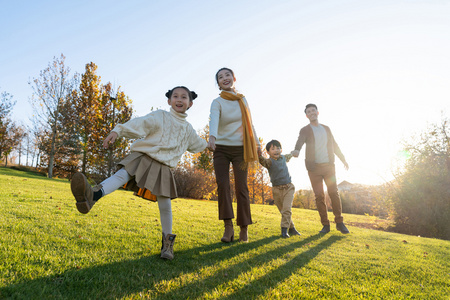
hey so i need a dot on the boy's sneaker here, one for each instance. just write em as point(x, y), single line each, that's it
point(341, 227)
point(325, 229)
point(293, 231)
point(83, 193)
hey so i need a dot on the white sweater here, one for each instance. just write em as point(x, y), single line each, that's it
point(162, 135)
point(225, 122)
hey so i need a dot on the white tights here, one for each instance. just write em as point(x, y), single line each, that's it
point(121, 177)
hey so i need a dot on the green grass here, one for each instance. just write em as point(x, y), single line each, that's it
point(50, 251)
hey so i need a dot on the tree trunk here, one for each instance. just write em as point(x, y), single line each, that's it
point(83, 164)
point(20, 152)
point(52, 151)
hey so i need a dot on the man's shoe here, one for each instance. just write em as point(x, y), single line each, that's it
point(293, 231)
point(341, 227)
point(325, 229)
point(284, 233)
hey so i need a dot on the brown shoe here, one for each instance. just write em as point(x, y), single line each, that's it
point(243, 235)
point(83, 193)
point(228, 235)
point(167, 246)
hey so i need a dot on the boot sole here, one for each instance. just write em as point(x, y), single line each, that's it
point(78, 187)
point(166, 256)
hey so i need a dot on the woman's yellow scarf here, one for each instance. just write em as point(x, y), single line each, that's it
point(250, 148)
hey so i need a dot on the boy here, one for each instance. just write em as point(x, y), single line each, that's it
point(282, 187)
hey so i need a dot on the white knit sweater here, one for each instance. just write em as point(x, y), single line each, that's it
point(225, 122)
point(162, 135)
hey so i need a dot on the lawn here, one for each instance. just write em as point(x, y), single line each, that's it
point(48, 250)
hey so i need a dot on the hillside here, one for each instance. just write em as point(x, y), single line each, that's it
point(49, 250)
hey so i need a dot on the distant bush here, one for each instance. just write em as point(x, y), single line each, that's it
point(29, 170)
point(367, 200)
point(421, 196)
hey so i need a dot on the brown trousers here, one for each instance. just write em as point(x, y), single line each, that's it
point(327, 173)
point(223, 156)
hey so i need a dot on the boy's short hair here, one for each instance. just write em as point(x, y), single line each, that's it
point(272, 143)
point(310, 105)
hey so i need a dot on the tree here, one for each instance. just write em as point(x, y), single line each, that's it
point(304, 199)
point(421, 193)
point(51, 90)
point(88, 107)
point(6, 106)
point(116, 109)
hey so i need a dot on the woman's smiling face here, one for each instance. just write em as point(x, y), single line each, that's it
point(226, 80)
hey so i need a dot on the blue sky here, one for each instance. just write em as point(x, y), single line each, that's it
point(379, 71)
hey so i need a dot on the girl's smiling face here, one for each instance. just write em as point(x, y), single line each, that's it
point(180, 101)
point(226, 80)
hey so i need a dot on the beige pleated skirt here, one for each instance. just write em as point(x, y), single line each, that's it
point(150, 177)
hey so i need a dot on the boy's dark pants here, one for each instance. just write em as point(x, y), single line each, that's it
point(327, 173)
point(223, 156)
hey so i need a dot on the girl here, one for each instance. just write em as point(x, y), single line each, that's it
point(233, 140)
point(163, 138)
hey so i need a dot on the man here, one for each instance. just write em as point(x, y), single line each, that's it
point(320, 150)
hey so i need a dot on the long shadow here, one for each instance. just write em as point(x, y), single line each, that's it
point(201, 287)
point(126, 277)
point(273, 278)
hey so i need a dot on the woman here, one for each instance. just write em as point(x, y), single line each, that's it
point(233, 140)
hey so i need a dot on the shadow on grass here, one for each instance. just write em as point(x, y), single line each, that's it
point(278, 275)
point(149, 275)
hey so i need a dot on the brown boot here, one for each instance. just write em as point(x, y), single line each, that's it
point(228, 235)
point(167, 245)
point(243, 235)
point(83, 193)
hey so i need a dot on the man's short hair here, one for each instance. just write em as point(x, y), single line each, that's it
point(272, 143)
point(310, 105)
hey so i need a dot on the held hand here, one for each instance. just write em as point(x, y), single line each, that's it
point(212, 143)
point(295, 153)
point(110, 139)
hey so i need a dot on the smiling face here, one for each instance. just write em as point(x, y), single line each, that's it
point(179, 100)
point(312, 113)
point(225, 80)
point(274, 152)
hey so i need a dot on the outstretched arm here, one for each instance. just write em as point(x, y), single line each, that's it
point(339, 153)
point(265, 162)
point(300, 142)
